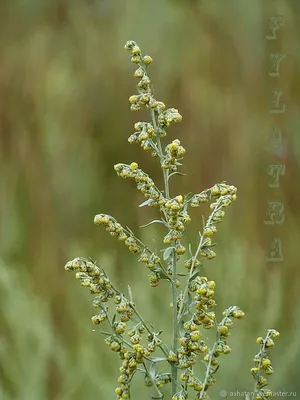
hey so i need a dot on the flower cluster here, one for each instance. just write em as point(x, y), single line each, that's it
point(221, 196)
point(144, 183)
point(220, 347)
point(117, 230)
point(147, 133)
point(93, 277)
point(176, 220)
point(131, 353)
point(136, 354)
point(173, 154)
point(263, 365)
point(203, 292)
point(131, 360)
point(220, 190)
point(193, 308)
point(145, 95)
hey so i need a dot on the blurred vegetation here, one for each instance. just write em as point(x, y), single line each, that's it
point(64, 122)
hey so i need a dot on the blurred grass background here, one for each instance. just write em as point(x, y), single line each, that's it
point(64, 122)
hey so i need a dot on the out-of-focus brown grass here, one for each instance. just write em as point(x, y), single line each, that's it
point(64, 122)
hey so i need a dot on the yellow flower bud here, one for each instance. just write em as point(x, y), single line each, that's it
point(133, 166)
point(147, 60)
point(133, 99)
point(179, 199)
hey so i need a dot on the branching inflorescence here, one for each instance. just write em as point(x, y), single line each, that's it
point(193, 307)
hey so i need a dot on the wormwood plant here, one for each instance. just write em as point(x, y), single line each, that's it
point(142, 349)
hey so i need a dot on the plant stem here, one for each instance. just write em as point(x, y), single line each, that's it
point(147, 328)
point(208, 372)
point(200, 245)
point(174, 271)
point(262, 351)
point(160, 154)
point(182, 302)
point(159, 393)
point(175, 325)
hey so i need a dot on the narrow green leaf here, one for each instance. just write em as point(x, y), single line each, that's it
point(167, 253)
point(195, 273)
point(157, 359)
point(130, 294)
point(181, 330)
point(152, 370)
point(145, 203)
point(158, 221)
point(176, 173)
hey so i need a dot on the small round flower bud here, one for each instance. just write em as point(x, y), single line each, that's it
point(136, 51)
point(223, 330)
point(133, 99)
point(147, 60)
point(118, 391)
point(135, 59)
point(275, 334)
point(139, 73)
point(195, 336)
point(238, 314)
point(270, 342)
point(135, 107)
point(115, 346)
point(120, 328)
point(211, 285)
point(130, 44)
point(134, 166)
point(269, 370)
point(180, 250)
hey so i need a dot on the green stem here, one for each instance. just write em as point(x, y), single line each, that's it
point(159, 393)
point(147, 328)
point(160, 154)
point(127, 230)
point(262, 351)
point(182, 301)
point(208, 372)
point(175, 325)
point(174, 271)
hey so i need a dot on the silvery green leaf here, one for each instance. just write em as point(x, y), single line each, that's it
point(145, 203)
point(176, 173)
point(152, 370)
point(159, 221)
point(195, 273)
point(130, 294)
point(181, 330)
point(167, 253)
point(157, 359)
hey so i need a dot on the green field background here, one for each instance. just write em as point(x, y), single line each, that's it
point(65, 80)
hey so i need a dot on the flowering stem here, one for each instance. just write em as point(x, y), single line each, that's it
point(160, 154)
point(200, 245)
point(174, 271)
point(159, 393)
point(262, 351)
point(208, 371)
